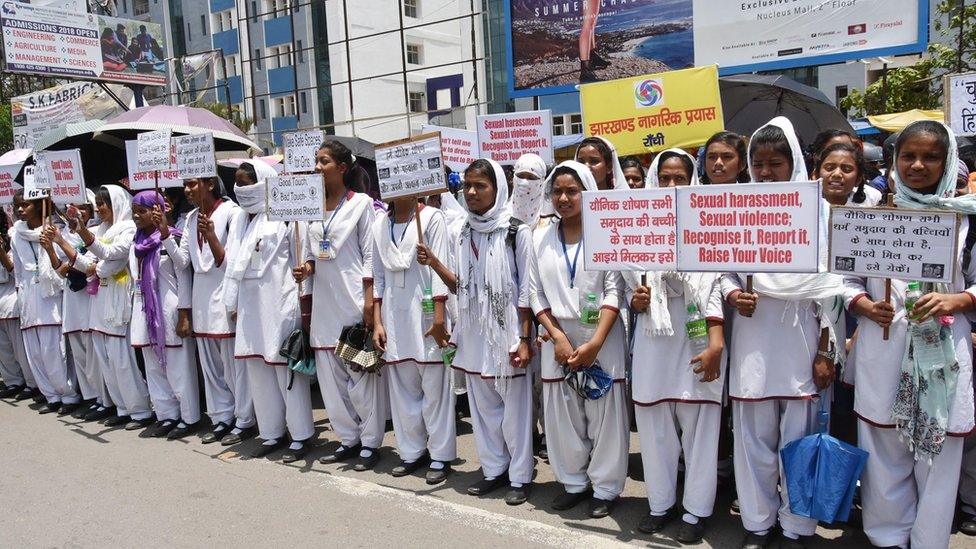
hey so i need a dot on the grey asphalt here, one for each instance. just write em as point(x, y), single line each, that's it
point(64, 483)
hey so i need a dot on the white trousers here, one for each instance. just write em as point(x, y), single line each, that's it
point(277, 407)
point(423, 411)
point(357, 403)
point(117, 361)
point(667, 430)
point(90, 381)
point(14, 367)
point(45, 355)
point(967, 477)
point(225, 383)
point(761, 430)
point(588, 440)
point(502, 425)
point(173, 388)
point(896, 489)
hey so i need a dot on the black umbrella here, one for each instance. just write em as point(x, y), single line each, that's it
point(101, 161)
point(359, 147)
point(751, 100)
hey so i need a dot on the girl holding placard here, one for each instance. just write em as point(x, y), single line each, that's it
point(780, 359)
point(725, 159)
point(260, 288)
point(14, 368)
point(842, 169)
point(914, 397)
point(338, 261)
point(411, 328)
point(678, 378)
point(212, 237)
point(111, 306)
point(39, 288)
point(586, 434)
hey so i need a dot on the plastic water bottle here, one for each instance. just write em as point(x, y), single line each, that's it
point(927, 329)
point(589, 318)
point(427, 305)
point(697, 330)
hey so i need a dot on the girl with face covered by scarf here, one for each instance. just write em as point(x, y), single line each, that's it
point(915, 407)
point(260, 288)
point(63, 246)
point(161, 289)
point(212, 236)
point(587, 439)
point(781, 357)
point(39, 288)
point(111, 306)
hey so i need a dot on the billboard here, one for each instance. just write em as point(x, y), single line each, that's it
point(51, 42)
point(37, 113)
point(555, 45)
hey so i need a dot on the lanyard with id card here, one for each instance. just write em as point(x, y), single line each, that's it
point(574, 292)
point(326, 253)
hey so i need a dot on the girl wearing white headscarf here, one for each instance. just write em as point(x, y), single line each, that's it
point(528, 200)
point(677, 392)
point(111, 306)
point(421, 398)
point(260, 289)
point(76, 309)
point(587, 440)
point(213, 234)
point(14, 367)
point(600, 156)
point(40, 289)
point(916, 408)
point(339, 262)
point(780, 357)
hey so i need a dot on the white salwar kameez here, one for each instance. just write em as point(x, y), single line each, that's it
point(420, 385)
point(588, 440)
point(77, 331)
point(357, 403)
point(226, 387)
point(895, 488)
point(14, 368)
point(676, 412)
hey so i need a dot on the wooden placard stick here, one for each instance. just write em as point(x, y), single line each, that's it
point(887, 297)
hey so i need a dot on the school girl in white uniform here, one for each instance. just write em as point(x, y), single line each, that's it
point(677, 392)
point(421, 398)
point(111, 307)
point(261, 289)
point(914, 415)
point(40, 289)
point(587, 440)
point(780, 359)
point(14, 368)
point(160, 291)
point(213, 233)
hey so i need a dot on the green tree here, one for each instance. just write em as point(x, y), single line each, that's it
point(6, 128)
point(235, 116)
point(920, 85)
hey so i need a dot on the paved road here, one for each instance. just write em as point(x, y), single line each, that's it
point(70, 484)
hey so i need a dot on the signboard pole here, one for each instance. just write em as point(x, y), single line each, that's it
point(891, 204)
point(416, 217)
point(156, 180)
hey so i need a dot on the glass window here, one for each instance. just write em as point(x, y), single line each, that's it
point(558, 125)
point(576, 123)
point(257, 58)
point(417, 102)
point(411, 8)
point(413, 54)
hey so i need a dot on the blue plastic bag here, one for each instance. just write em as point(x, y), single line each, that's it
point(591, 382)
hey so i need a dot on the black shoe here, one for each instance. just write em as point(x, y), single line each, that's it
point(162, 428)
point(342, 453)
point(968, 525)
point(600, 508)
point(83, 411)
point(181, 431)
point(367, 463)
point(265, 449)
point(10, 391)
point(586, 73)
point(137, 424)
point(117, 421)
point(49, 408)
point(734, 505)
point(485, 486)
point(292, 455)
point(236, 438)
point(790, 543)
point(437, 476)
point(99, 414)
point(219, 431)
point(407, 468)
point(651, 524)
point(597, 61)
point(518, 496)
point(755, 541)
point(68, 409)
point(566, 500)
point(26, 393)
point(691, 533)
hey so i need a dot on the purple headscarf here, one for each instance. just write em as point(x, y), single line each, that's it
point(147, 250)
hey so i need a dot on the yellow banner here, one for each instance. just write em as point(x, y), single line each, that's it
point(655, 111)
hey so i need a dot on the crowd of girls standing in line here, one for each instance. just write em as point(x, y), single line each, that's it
point(219, 280)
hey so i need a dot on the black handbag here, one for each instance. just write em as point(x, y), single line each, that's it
point(298, 350)
point(355, 347)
